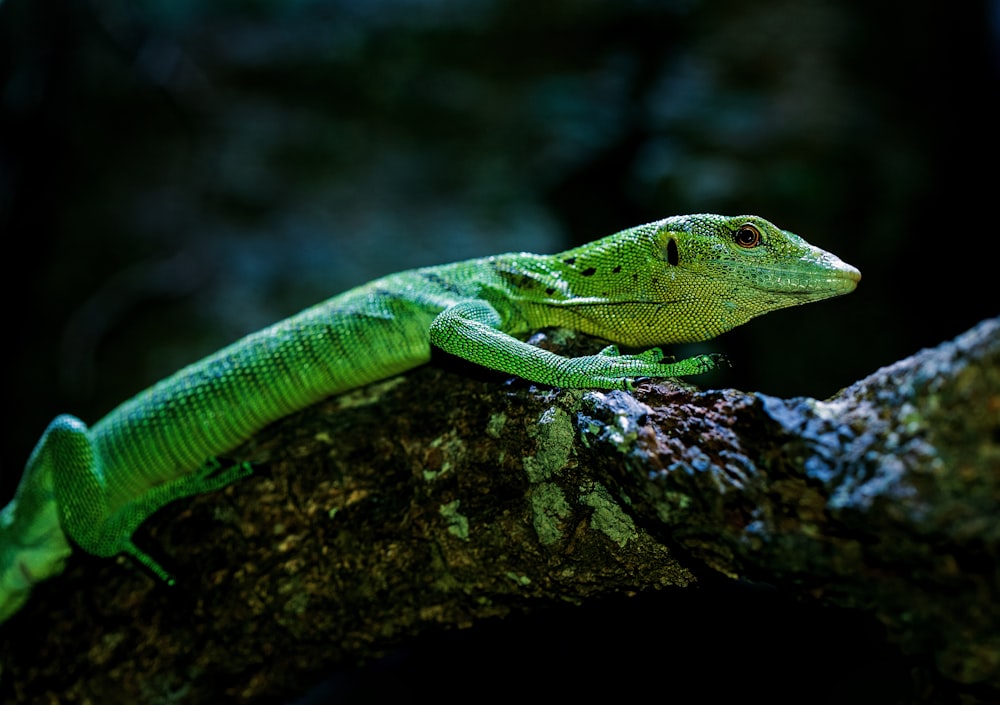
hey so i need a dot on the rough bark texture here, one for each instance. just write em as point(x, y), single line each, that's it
point(448, 496)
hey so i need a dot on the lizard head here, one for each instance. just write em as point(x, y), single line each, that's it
point(751, 254)
point(728, 270)
point(691, 278)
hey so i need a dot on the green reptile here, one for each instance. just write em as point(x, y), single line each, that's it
point(681, 279)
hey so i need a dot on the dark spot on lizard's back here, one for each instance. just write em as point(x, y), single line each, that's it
point(588, 272)
point(441, 283)
point(616, 269)
point(569, 260)
point(521, 282)
point(635, 276)
point(550, 291)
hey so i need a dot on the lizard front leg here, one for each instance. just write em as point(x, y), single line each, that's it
point(471, 330)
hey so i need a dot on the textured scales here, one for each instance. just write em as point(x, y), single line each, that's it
point(681, 279)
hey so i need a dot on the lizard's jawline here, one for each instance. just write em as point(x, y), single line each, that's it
point(839, 285)
point(793, 282)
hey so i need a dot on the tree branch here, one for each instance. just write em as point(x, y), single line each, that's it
point(447, 496)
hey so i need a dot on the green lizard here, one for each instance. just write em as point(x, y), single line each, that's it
point(682, 279)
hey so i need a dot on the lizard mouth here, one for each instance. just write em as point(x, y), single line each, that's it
point(836, 280)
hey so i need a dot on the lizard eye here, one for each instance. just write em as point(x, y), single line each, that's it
point(747, 236)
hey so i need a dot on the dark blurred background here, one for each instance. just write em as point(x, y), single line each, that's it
point(174, 174)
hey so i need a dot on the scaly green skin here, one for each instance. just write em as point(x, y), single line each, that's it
point(681, 279)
